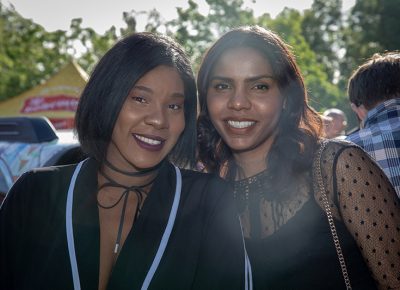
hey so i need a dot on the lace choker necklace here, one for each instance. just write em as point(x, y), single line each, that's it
point(137, 189)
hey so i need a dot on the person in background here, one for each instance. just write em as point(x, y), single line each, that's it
point(127, 217)
point(335, 128)
point(316, 213)
point(374, 94)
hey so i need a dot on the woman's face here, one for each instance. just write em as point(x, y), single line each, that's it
point(244, 102)
point(150, 121)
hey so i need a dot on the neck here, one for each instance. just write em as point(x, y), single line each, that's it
point(253, 161)
point(249, 166)
point(118, 175)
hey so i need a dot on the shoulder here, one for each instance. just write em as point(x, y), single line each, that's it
point(355, 136)
point(336, 147)
point(342, 154)
point(336, 154)
point(203, 179)
point(38, 183)
point(51, 173)
point(205, 183)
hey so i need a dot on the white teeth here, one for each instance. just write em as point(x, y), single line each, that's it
point(148, 140)
point(240, 124)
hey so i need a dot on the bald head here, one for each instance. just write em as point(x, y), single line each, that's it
point(336, 122)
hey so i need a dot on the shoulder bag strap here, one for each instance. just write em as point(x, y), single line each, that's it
point(318, 177)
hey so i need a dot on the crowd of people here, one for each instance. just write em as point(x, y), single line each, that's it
point(259, 191)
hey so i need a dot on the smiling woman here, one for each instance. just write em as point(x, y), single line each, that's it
point(315, 214)
point(127, 217)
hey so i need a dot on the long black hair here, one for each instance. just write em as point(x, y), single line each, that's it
point(299, 127)
point(112, 80)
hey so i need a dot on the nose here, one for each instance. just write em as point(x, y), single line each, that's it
point(157, 118)
point(239, 100)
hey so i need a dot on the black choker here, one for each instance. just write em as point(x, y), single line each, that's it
point(137, 189)
point(139, 173)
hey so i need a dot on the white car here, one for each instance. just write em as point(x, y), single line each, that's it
point(31, 142)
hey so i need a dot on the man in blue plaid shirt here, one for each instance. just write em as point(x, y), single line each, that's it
point(374, 93)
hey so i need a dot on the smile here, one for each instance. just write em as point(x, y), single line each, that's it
point(240, 124)
point(148, 140)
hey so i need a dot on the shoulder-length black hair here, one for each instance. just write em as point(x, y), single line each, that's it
point(299, 127)
point(112, 80)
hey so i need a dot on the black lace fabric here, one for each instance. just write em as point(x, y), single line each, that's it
point(369, 207)
point(261, 214)
point(364, 201)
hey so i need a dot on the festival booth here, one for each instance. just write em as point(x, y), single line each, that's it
point(57, 98)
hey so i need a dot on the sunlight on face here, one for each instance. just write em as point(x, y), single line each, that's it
point(244, 102)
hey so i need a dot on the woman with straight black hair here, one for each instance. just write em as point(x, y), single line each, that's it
point(126, 217)
point(316, 214)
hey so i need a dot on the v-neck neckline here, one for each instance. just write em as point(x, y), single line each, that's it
point(155, 210)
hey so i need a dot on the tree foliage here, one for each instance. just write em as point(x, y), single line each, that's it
point(321, 28)
point(373, 26)
point(28, 54)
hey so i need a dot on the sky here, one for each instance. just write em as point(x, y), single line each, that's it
point(101, 15)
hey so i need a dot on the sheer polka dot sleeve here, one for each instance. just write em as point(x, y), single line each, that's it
point(370, 209)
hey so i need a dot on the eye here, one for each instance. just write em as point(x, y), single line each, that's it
point(262, 87)
point(175, 107)
point(221, 86)
point(139, 99)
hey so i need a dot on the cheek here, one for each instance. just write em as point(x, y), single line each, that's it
point(178, 125)
point(214, 107)
point(272, 108)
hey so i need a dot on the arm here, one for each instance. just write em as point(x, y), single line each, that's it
point(222, 262)
point(12, 228)
point(370, 210)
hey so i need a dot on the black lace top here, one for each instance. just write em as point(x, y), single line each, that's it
point(289, 239)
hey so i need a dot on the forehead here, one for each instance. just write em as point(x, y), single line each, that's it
point(162, 77)
point(242, 61)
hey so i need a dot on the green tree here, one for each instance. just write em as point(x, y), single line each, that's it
point(323, 93)
point(321, 27)
point(28, 54)
point(373, 26)
point(197, 31)
point(93, 45)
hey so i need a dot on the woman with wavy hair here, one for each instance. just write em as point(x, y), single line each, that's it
point(315, 214)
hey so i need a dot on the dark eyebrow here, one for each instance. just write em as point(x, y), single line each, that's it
point(178, 95)
point(142, 88)
point(220, 79)
point(255, 78)
point(146, 89)
point(250, 79)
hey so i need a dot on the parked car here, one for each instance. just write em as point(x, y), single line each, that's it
point(31, 142)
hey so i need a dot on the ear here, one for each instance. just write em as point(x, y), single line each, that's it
point(360, 110)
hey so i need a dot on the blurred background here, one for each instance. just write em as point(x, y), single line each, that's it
point(39, 40)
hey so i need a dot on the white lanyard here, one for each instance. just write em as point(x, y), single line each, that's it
point(161, 248)
point(248, 275)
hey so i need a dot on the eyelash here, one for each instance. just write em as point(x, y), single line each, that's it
point(139, 99)
point(261, 87)
point(142, 100)
point(177, 107)
point(220, 86)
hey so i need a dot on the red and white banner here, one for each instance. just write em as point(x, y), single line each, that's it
point(50, 103)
